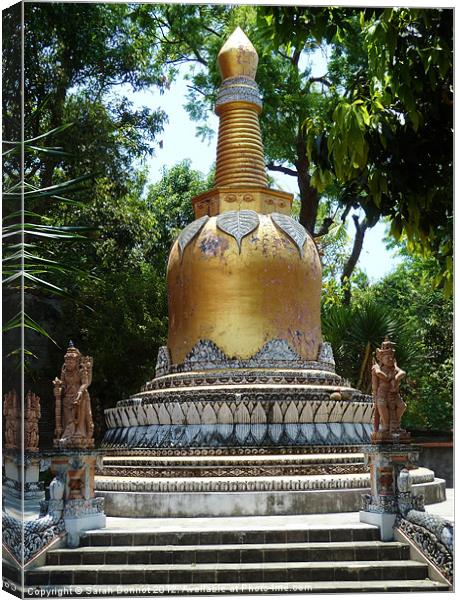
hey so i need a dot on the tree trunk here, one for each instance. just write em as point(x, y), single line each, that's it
point(309, 199)
point(56, 119)
point(354, 257)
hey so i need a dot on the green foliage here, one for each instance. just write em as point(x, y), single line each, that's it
point(430, 405)
point(170, 203)
point(387, 132)
point(428, 318)
point(355, 331)
point(32, 266)
point(419, 318)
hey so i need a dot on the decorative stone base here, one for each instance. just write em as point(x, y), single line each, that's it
point(385, 437)
point(245, 497)
point(232, 466)
point(384, 521)
point(77, 525)
point(82, 511)
point(390, 483)
point(241, 435)
point(74, 443)
point(273, 399)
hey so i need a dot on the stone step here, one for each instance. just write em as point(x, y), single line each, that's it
point(227, 572)
point(200, 497)
point(246, 470)
point(326, 458)
point(229, 553)
point(190, 589)
point(113, 538)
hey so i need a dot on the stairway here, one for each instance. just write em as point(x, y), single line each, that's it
point(130, 562)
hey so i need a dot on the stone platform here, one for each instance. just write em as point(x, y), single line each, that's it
point(273, 400)
point(198, 486)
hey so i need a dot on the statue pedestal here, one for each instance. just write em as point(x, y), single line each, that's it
point(381, 506)
point(19, 483)
point(82, 511)
point(82, 515)
point(386, 437)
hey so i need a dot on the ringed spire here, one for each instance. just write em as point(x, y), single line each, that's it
point(240, 155)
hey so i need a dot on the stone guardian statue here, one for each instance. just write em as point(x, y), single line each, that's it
point(32, 416)
point(11, 416)
point(74, 421)
point(389, 406)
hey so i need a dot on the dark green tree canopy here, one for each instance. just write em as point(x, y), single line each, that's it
point(387, 134)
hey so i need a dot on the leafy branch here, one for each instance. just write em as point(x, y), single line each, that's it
point(29, 257)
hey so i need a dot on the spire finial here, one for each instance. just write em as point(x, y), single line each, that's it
point(238, 56)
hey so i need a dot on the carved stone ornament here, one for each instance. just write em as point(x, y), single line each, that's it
point(74, 421)
point(163, 362)
point(32, 415)
point(292, 229)
point(275, 353)
point(226, 407)
point(325, 354)
point(25, 539)
point(81, 507)
point(11, 416)
point(187, 234)
point(433, 535)
point(238, 223)
point(242, 434)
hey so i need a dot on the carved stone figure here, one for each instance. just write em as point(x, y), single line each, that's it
point(32, 415)
point(57, 487)
point(74, 421)
point(11, 415)
point(76, 482)
point(389, 406)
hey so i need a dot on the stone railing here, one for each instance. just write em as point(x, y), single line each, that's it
point(433, 536)
point(38, 534)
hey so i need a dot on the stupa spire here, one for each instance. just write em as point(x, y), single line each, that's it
point(240, 155)
point(238, 57)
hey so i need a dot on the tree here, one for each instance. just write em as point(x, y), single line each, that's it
point(428, 320)
point(170, 202)
point(356, 331)
point(76, 55)
point(388, 137)
point(419, 318)
point(121, 316)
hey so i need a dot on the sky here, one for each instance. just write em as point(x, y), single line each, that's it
point(179, 141)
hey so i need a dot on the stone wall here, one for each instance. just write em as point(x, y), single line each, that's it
point(439, 457)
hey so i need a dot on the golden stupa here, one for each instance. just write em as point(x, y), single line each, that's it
point(244, 272)
point(245, 365)
point(245, 402)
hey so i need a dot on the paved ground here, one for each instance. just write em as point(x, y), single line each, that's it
point(338, 520)
point(444, 509)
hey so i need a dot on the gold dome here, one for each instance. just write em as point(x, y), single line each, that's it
point(242, 297)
